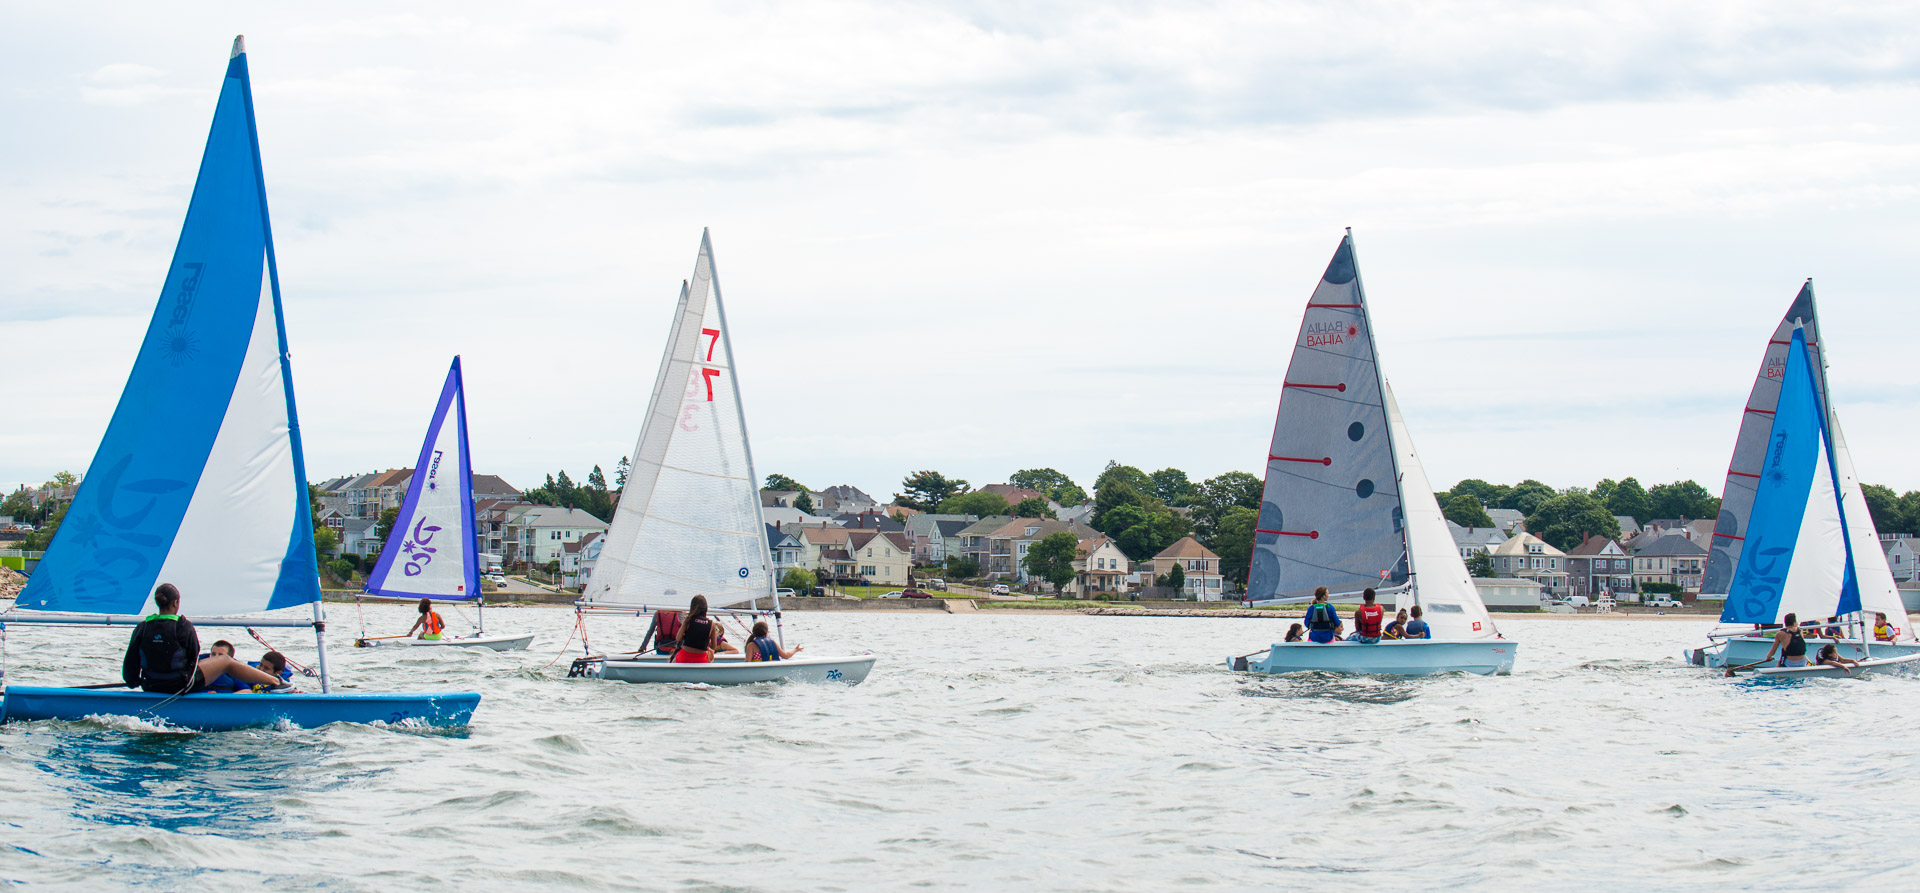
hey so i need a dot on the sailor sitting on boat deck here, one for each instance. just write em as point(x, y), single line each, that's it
point(225, 683)
point(700, 637)
point(1791, 644)
point(1296, 632)
point(161, 655)
point(430, 625)
point(1398, 628)
point(763, 647)
point(275, 663)
point(1882, 630)
point(666, 631)
point(1417, 628)
point(1323, 625)
point(1829, 656)
point(1367, 619)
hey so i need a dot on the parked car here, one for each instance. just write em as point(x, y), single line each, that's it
point(894, 594)
point(1578, 601)
point(783, 593)
point(1001, 589)
point(936, 584)
point(913, 593)
point(1662, 601)
point(497, 579)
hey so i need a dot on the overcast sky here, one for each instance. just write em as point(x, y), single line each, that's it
point(990, 236)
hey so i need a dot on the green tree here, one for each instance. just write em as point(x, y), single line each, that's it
point(38, 540)
point(1216, 495)
point(1628, 498)
point(63, 479)
point(1490, 495)
point(1117, 473)
point(324, 541)
point(1057, 486)
point(1909, 512)
point(1033, 507)
point(1566, 519)
point(927, 489)
point(341, 570)
point(1051, 559)
point(1682, 499)
point(18, 504)
point(620, 473)
point(1883, 505)
point(1233, 542)
point(961, 567)
point(978, 502)
point(1466, 511)
point(804, 502)
point(384, 526)
point(1480, 565)
point(783, 483)
point(1172, 486)
point(799, 579)
point(1144, 532)
point(1177, 577)
point(1527, 496)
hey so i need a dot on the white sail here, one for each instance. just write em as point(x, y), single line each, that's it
point(689, 519)
point(431, 552)
point(1878, 592)
point(1440, 582)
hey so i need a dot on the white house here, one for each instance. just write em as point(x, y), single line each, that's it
point(544, 530)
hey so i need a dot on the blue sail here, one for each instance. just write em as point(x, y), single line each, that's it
point(431, 552)
point(1796, 557)
point(199, 480)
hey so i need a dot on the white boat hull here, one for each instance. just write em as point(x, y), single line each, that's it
point(1424, 657)
point(1750, 649)
point(491, 643)
point(729, 670)
point(1866, 667)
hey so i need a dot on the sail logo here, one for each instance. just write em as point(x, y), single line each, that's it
point(1776, 368)
point(1327, 334)
point(177, 342)
point(1776, 458)
point(434, 470)
point(419, 553)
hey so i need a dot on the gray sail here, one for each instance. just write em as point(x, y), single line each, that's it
point(1330, 515)
point(1749, 450)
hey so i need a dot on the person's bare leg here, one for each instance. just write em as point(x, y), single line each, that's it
point(211, 668)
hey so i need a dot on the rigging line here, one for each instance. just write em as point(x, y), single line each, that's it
point(577, 620)
point(269, 646)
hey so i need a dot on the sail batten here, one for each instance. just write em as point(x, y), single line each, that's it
point(431, 551)
point(689, 520)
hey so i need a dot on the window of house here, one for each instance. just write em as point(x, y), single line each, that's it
point(1032, 530)
point(866, 570)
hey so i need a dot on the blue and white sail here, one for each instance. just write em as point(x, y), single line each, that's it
point(1796, 556)
point(431, 552)
point(199, 480)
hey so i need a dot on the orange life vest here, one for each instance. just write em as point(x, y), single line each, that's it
point(433, 624)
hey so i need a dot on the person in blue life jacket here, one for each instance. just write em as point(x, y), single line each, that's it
point(1398, 628)
point(1296, 633)
point(274, 663)
point(1417, 628)
point(163, 653)
point(225, 683)
point(761, 646)
point(1368, 619)
point(1323, 624)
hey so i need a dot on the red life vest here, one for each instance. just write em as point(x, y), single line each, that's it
point(433, 625)
point(1367, 620)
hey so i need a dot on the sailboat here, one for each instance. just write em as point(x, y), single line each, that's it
point(1790, 402)
point(689, 520)
point(433, 554)
point(200, 480)
point(1347, 506)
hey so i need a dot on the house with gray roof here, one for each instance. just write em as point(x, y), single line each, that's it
point(1670, 558)
point(1508, 520)
point(929, 534)
point(1473, 541)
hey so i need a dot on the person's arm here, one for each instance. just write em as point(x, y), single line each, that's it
point(190, 639)
point(416, 624)
point(130, 665)
point(787, 654)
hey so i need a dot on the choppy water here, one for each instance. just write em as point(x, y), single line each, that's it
point(991, 752)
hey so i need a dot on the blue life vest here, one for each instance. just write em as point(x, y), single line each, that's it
point(1320, 616)
point(769, 649)
point(1417, 629)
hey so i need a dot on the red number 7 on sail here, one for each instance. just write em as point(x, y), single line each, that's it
point(715, 335)
point(709, 375)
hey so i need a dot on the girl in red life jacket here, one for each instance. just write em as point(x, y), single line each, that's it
point(430, 625)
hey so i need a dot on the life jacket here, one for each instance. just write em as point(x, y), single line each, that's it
point(433, 625)
point(1883, 632)
point(769, 649)
point(698, 635)
point(1320, 616)
point(1417, 629)
point(1367, 620)
point(666, 629)
point(1394, 630)
point(165, 654)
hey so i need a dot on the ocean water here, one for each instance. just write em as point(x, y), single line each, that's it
point(987, 752)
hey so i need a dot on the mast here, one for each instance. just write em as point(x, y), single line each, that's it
point(1393, 452)
point(739, 408)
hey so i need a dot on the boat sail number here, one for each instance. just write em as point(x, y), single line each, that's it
point(707, 376)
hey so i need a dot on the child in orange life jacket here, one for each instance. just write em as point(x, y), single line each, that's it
point(430, 625)
point(1368, 620)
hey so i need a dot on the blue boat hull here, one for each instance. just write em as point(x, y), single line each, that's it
point(1750, 649)
point(210, 712)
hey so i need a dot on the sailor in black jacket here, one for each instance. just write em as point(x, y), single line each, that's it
point(160, 655)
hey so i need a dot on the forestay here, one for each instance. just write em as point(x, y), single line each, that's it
point(1797, 557)
point(1878, 591)
point(1750, 448)
point(1441, 585)
point(199, 480)
point(1330, 514)
point(689, 518)
point(431, 552)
